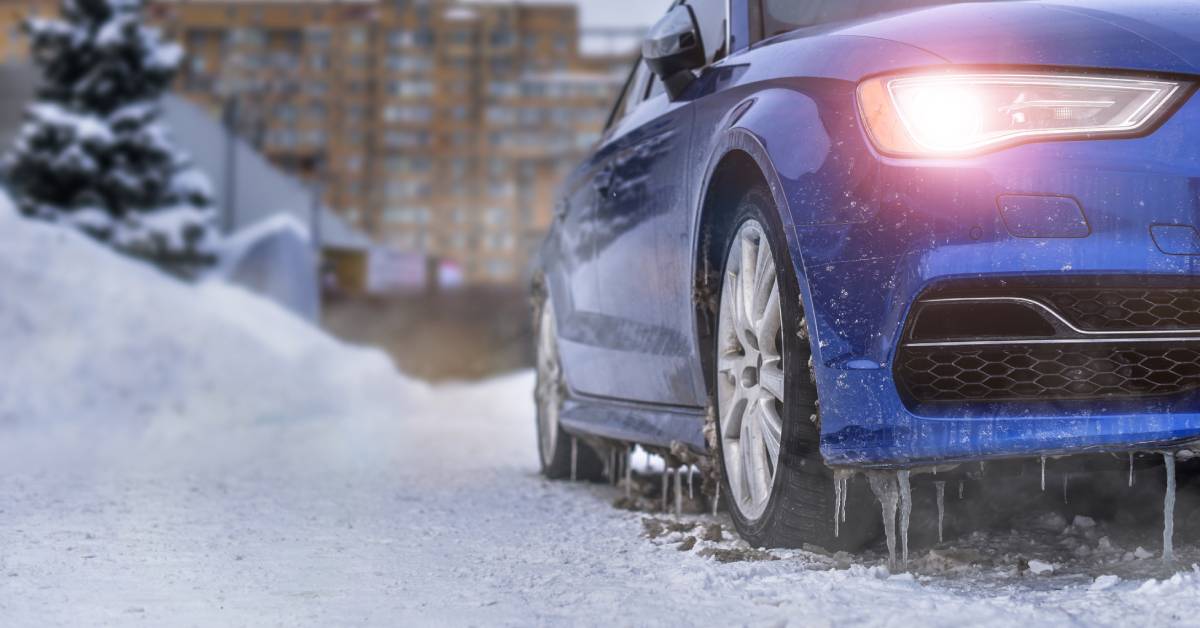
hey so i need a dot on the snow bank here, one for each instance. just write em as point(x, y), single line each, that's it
point(275, 259)
point(109, 357)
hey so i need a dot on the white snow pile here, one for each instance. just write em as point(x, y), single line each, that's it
point(102, 350)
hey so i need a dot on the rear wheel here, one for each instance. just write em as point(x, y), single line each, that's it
point(554, 446)
point(781, 493)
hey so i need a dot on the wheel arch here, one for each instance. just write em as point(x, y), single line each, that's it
point(740, 163)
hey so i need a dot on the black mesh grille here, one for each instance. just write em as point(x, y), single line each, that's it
point(1127, 309)
point(1038, 372)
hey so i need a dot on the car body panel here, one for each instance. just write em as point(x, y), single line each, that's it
point(869, 233)
point(1091, 35)
point(635, 349)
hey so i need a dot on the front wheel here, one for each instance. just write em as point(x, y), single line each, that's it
point(781, 494)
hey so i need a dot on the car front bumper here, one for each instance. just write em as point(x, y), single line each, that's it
point(907, 226)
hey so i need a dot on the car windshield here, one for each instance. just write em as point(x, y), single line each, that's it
point(781, 16)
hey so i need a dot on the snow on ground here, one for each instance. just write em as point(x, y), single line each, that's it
point(174, 455)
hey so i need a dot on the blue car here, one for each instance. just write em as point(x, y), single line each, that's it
point(826, 237)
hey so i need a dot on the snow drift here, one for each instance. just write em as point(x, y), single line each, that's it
point(101, 349)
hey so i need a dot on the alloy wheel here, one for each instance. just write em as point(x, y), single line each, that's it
point(750, 381)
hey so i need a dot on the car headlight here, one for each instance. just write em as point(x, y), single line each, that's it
point(954, 114)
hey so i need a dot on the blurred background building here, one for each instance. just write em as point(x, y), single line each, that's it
point(429, 136)
point(437, 127)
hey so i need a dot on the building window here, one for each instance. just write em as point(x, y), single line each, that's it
point(357, 37)
point(496, 215)
point(405, 215)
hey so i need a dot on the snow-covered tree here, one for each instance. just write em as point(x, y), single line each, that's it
point(92, 152)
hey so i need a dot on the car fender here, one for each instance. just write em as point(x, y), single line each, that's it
point(745, 130)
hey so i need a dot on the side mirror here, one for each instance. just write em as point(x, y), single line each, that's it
point(673, 49)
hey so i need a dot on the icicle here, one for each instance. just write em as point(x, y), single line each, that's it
point(1168, 553)
point(1066, 478)
point(960, 487)
point(837, 504)
point(574, 459)
point(629, 473)
point(691, 474)
point(678, 491)
point(841, 480)
point(1043, 474)
point(883, 485)
point(982, 469)
point(717, 498)
point(902, 479)
point(666, 473)
point(1131, 469)
point(845, 494)
point(941, 505)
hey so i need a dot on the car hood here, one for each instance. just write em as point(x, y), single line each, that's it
point(1152, 35)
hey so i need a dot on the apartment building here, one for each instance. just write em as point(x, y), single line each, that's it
point(437, 126)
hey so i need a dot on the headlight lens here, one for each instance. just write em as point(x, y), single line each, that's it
point(952, 114)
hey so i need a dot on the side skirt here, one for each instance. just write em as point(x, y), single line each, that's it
point(657, 426)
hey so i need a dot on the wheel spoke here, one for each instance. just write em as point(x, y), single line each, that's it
point(764, 280)
point(769, 323)
point(749, 454)
point(727, 317)
point(746, 277)
point(734, 415)
point(757, 469)
point(737, 309)
point(770, 377)
point(772, 426)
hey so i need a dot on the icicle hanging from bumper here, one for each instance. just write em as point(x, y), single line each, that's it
point(678, 491)
point(629, 473)
point(902, 480)
point(1131, 469)
point(883, 485)
point(666, 473)
point(1168, 553)
point(941, 506)
point(841, 482)
point(574, 459)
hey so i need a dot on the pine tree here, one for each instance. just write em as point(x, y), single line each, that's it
point(92, 153)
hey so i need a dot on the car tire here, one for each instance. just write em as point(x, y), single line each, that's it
point(554, 445)
point(795, 506)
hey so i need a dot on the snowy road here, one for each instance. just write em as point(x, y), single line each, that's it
point(178, 455)
point(443, 520)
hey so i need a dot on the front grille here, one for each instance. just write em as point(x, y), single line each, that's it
point(1047, 372)
point(1125, 309)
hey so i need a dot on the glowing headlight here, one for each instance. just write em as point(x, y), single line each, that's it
point(947, 114)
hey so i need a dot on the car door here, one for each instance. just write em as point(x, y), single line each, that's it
point(573, 284)
point(643, 348)
point(579, 301)
point(639, 186)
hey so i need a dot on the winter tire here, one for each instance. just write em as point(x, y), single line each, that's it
point(778, 490)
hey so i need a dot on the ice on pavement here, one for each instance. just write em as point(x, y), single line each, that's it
point(194, 455)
